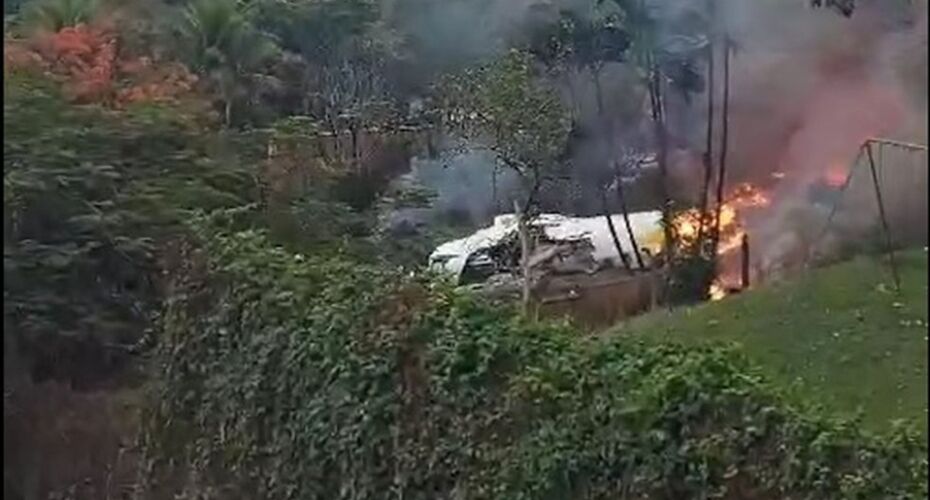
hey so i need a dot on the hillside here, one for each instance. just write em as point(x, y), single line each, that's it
point(221, 221)
point(311, 375)
point(839, 335)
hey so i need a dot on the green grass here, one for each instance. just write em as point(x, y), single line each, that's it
point(838, 336)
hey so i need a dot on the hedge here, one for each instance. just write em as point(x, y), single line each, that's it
point(286, 376)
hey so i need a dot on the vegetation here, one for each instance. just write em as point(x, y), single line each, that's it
point(89, 197)
point(316, 378)
point(89, 63)
point(520, 121)
point(195, 192)
point(841, 336)
point(514, 116)
point(224, 47)
point(339, 56)
point(55, 15)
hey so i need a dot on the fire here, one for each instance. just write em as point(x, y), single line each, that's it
point(835, 176)
point(746, 195)
point(742, 198)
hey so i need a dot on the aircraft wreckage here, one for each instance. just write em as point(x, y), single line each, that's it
point(572, 257)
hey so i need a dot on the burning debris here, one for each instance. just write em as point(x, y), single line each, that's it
point(785, 218)
point(743, 199)
point(835, 176)
point(584, 246)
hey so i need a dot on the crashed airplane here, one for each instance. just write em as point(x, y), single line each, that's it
point(580, 244)
point(574, 268)
point(588, 238)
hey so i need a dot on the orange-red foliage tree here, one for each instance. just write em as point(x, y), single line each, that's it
point(87, 61)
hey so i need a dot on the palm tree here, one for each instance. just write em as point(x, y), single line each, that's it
point(222, 44)
point(54, 15)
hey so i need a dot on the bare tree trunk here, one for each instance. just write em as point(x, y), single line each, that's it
point(668, 246)
point(708, 158)
point(613, 233)
point(523, 232)
point(354, 133)
point(722, 173)
point(305, 91)
point(599, 96)
point(744, 263)
point(227, 112)
point(626, 221)
point(655, 91)
point(494, 189)
point(337, 149)
point(573, 96)
point(611, 151)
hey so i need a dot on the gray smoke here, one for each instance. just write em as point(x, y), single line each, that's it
point(468, 185)
point(807, 88)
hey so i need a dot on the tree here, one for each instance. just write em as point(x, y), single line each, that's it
point(90, 63)
point(222, 45)
point(708, 156)
point(339, 72)
point(89, 198)
point(724, 143)
point(321, 31)
point(53, 15)
point(514, 115)
point(666, 54)
point(666, 50)
point(570, 44)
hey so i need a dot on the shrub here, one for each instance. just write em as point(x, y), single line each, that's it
point(88, 197)
point(284, 376)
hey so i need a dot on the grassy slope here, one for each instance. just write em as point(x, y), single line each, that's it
point(838, 336)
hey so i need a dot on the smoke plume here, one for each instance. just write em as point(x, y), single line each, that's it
point(807, 88)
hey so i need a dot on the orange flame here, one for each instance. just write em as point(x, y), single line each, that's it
point(835, 176)
point(743, 197)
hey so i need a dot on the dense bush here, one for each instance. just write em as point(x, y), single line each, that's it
point(92, 201)
point(89, 196)
point(286, 376)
